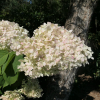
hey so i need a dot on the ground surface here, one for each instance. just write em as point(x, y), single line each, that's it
point(86, 88)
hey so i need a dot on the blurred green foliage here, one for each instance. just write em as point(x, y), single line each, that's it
point(94, 42)
point(32, 15)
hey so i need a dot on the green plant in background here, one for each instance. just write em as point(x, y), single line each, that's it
point(94, 42)
point(97, 74)
point(33, 15)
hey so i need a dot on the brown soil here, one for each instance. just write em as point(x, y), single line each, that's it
point(86, 89)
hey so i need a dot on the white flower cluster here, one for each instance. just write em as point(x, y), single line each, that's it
point(52, 49)
point(31, 88)
point(11, 37)
point(12, 95)
point(11, 34)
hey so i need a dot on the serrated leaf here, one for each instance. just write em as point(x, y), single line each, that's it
point(11, 56)
point(3, 59)
point(16, 63)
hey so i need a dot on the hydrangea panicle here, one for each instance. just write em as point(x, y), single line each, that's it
point(53, 48)
point(11, 35)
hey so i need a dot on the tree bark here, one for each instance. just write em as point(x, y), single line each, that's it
point(59, 86)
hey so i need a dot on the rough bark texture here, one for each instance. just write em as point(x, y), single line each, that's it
point(80, 17)
point(59, 86)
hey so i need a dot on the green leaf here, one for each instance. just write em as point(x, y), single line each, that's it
point(16, 63)
point(13, 79)
point(3, 59)
point(18, 83)
point(1, 92)
point(3, 52)
point(5, 77)
point(11, 56)
point(1, 81)
point(0, 71)
point(10, 73)
point(5, 84)
point(97, 64)
point(10, 79)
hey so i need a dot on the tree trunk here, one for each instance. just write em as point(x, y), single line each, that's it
point(59, 86)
